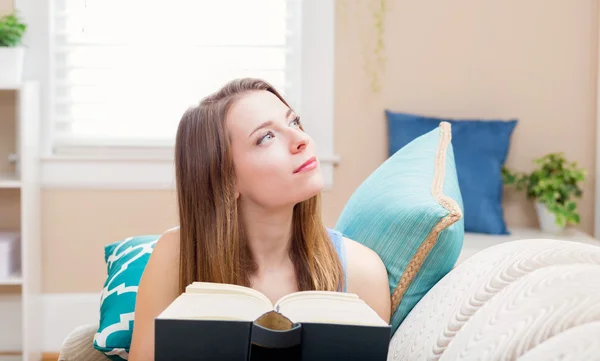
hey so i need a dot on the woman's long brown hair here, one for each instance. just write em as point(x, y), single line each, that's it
point(213, 247)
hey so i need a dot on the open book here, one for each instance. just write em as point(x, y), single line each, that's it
point(302, 326)
point(216, 301)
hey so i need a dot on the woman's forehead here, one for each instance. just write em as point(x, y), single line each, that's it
point(254, 108)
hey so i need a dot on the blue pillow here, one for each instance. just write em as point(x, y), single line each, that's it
point(480, 150)
point(409, 211)
point(125, 261)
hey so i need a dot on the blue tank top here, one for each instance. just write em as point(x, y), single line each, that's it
point(338, 242)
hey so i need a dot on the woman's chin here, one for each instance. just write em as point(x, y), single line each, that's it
point(312, 187)
point(294, 193)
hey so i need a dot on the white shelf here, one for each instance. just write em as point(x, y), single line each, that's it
point(10, 86)
point(21, 294)
point(9, 181)
point(4, 353)
point(14, 280)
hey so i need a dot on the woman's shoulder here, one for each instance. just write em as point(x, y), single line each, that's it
point(167, 246)
point(172, 232)
point(163, 264)
point(170, 235)
point(362, 257)
point(158, 287)
point(357, 254)
point(367, 277)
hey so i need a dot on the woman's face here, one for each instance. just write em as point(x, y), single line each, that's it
point(275, 160)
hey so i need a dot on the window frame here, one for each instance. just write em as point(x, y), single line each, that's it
point(151, 167)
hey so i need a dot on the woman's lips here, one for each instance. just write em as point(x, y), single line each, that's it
point(307, 166)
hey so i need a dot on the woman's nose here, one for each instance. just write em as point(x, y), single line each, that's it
point(299, 142)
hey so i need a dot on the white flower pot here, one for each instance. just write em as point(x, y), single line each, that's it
point(547, 219)
point(11, 64)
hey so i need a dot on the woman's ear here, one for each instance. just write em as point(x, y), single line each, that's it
point(237, 194)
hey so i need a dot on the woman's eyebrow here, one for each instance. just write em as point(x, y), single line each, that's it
point(289, 111)
point(265, 124)
point(270, 122)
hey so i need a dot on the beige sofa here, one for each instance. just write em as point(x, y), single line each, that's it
point(530, 299)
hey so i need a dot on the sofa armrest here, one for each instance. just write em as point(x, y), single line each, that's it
point(513, 301)
point(79, 345)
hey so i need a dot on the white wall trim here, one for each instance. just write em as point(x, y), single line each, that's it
point(597, 185)
point(61, 314)
point(317, 103)
point(10, 314)
point(127, 173)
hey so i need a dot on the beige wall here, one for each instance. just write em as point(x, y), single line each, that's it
point(78, 223)
point(535, 60)
point(6, 6)
point(7, 129)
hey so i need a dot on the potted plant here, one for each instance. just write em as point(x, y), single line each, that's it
point(11, 50)
point(553, 185)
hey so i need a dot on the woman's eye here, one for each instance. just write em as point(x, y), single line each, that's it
point(296, 122)
point(268, 136)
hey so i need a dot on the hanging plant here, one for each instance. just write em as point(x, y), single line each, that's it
point(380, 59)
point(373, 49)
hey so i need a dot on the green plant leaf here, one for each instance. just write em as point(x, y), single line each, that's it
point(561, 220)
point(508, 177)
point(554, 182)
point(12, 30)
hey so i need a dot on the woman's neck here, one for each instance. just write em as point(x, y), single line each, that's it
point(269, 235)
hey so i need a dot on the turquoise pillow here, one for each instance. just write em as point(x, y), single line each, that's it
point(409, 211)
point(480, 149)
point(125, 261)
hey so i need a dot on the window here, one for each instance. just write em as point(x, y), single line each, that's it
point(125, 70)
point(121, 73)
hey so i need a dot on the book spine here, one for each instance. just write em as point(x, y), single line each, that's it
point(268, 344)
point(265, 337)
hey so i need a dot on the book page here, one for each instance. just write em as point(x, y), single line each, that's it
point(222, 288)
point(322, 294)
point(215, 306)
point(329, 307)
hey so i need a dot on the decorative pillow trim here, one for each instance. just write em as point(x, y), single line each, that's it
point(437, 189)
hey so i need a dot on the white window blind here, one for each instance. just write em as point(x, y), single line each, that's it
point(123, 71)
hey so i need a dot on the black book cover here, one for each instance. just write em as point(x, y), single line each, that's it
point(270, 337)
point(193, 340)
point(321, 342)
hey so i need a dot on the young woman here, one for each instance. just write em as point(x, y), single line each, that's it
point(248, 188)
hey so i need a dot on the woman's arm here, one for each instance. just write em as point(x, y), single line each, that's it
point(368, 278)
point(159, 286)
